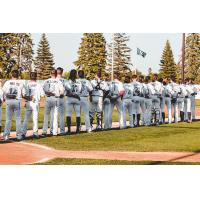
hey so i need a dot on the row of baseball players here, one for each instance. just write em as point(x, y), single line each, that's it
point(144, 100)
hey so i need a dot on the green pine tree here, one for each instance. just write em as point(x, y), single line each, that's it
point(192, 57)
point(119, 52)
point(168, 67)
point(15, 53)
point(44, 60)
point(92, 54)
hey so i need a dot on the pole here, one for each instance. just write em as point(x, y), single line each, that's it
point(183, 58)
point(112, 72)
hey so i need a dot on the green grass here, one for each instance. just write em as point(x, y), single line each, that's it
point(76, 161)
point(169, 137)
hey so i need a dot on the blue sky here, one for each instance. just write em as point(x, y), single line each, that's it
point(64, 47)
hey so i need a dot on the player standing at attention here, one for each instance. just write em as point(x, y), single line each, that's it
point(156, 109)
point(33, 93)
point(13, 91)
point(86, 88)
point(127, 101)
point(137, 91)
point(61, 101)
point(107, 106)
point(148, 91)
point(73, 89)
point(96, 98)
point(53, 89)
point(116, 93)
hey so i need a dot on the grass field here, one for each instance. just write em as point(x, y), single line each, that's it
point(169, 137)
point(75, 161)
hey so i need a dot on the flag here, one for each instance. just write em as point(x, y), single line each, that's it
point(141, 53)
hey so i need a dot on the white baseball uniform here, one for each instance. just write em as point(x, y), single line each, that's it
point(168, 92)
point(127, 103)
point(61, 107)
point(116, 87)
point(187, 102)
point(148, 91)
point(86, 88)
point(73, 87)
point(156, 101)
point(96, 105)
point(32, 89)
point(12, 92)
point(54, 86)
point(137, 92)
point(107, 110)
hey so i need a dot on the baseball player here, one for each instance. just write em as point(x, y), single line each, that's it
point(156, 99)
point(61, 102)
point(137, 91)
point(178, 96)
point(86, 88)
point(168, 93)
point(53, 89)
point(33, 93)
point(187, 101)
point(73, 89)
point(96, 99)
point(13, 90)
point(180, 100)
point(116, 92)
point(162, 100)
point(127, 101)
point(107, 106)
point(148, 91)
point(193, 102)
point(1, 102)
point(141, 81)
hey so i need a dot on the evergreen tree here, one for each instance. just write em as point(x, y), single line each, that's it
point(192, 57)
point(121, 54)
point(44, 60)
point(15, 53)
point(92, 54)
point(168, 66)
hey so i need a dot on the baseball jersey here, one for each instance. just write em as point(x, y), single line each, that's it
point(157, 87)
point(14, 89)
point(182, 91)
point(35, 90)
point(137, 88)
point(99, 87)
point(74, 87)
point(148, 90)
point(128, 91)
point(86, 87)
point(168, 90)
point(189, 90)
point(115, 88)
point(54, 86)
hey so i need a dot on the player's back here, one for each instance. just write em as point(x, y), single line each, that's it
point(13, 89)
point(86, 87)
point(128, 91)
point(34, 89)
